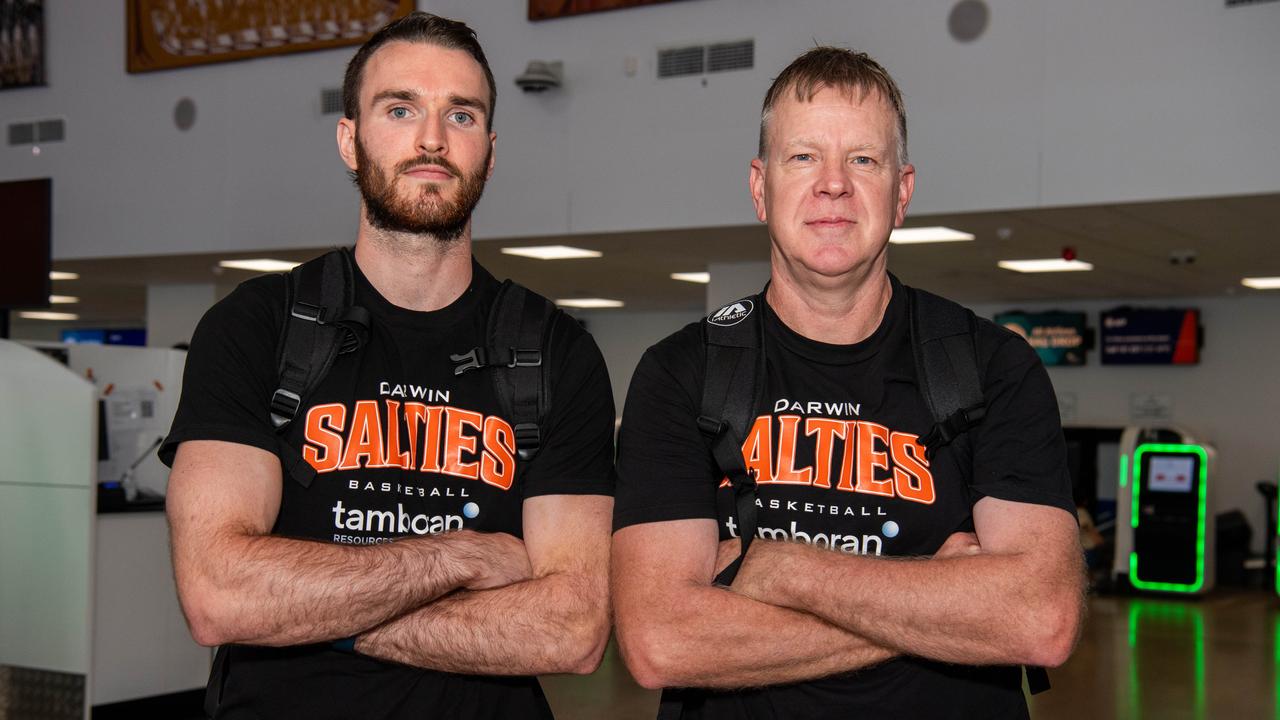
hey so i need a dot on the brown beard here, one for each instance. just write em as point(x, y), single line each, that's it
point(427, 214)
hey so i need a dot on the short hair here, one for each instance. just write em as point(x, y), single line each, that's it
point(832, 67)
point(421, 27)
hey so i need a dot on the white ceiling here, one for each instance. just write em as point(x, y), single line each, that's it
point(1129, 245)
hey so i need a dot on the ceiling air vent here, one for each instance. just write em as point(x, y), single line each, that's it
point(1232, 3)
point(702, 59)
point(330, 101)
point(675, 62)
point(738, 55)
point(38, 131)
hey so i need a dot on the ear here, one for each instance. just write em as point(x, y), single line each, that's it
point(756, 183)
point(906, 187)
point(347, 142)
point(493, 145)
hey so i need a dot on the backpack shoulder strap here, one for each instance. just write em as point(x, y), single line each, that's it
point(732, 385)
point(947, 363)
point(942, 335)
point(733, 382)
point(518, 330)
point(321, 322)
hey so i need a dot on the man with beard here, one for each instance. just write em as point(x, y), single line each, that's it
point(344, 596)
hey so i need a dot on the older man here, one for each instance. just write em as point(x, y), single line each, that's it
point(866, 596)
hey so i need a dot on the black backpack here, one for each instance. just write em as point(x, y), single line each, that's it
point(941, 337)
point(323, 322)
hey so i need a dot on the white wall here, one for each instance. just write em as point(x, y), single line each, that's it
point(1059, 103)
point(624, 336)
point(1229, 400)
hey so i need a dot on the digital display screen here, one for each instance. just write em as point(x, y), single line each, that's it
point(26, 208)
point(1058, 337)
point(1171, 473)
point(1145, 336)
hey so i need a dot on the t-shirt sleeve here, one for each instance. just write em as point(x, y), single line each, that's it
point(665, 467)
point(1019, 450)
point(231, 371)
point(576, 457)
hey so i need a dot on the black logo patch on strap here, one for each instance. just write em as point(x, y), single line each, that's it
point(732, 314)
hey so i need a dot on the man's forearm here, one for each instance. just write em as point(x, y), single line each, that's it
point(553, 624)
point(714, 638)
point(269, 590)
point(974, 609)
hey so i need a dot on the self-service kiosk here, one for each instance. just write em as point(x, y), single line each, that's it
point(1165, 528)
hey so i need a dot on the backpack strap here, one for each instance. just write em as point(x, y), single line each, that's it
point(732, 385)
point(733, 382)
point(942, 335)
point(322, 322)
point(519, 325)
point(942, 342)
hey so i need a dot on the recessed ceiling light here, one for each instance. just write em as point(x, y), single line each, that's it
point(1262, 283)
point(61, 275)
point(45, 315)
point(589, 303)
point(698, 277)
point(910, 236)
point(63, 299)
point(1045, 265)
point(260, 265)
point(552, 252)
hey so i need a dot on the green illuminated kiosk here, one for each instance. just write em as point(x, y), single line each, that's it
point(1165, 531)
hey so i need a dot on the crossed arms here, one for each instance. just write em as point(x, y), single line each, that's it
point(1010, 594)
point(461, 602)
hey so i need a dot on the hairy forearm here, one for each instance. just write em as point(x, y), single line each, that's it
point(984, 608)
point(553, 624)
point(269, 590)
point(704, 636)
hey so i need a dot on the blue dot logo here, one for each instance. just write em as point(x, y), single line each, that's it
point(889, 529)
point(471, 509)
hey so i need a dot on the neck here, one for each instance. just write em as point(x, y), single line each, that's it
point(839, 313)
point(415, 272)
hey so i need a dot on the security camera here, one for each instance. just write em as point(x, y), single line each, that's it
point(1182, 257)
point(540, 76)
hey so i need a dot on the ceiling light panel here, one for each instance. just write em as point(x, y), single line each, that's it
point(1045, 265)
point(1262, 283)
point(63, 299)
point(920, 235)
point(61, 275)
point(45, 315)
point(693, 277)
point(260, 265)
point(552, 252)
point(589, 303)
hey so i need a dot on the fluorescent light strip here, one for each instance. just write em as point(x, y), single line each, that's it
point(693, 277)
point(1045, 265)
point(1262, 283)
point(44, 315)
point(589, 303)
point(552, 252)
point(62, 275)
point(63, 299)
point(260, 265)
point(913, 236)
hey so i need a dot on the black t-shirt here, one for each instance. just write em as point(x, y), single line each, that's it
point(401, 446)
point(836, 445)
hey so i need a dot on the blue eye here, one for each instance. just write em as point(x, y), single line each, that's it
point(802, 157)
point(399, 112)
point(862, 160)
point(460, 117)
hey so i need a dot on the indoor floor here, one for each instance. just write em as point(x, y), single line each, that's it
point(1139, 658)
